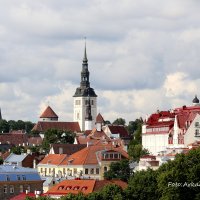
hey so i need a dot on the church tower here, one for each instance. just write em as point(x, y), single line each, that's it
point(81, 96)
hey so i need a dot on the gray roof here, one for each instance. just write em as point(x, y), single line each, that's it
point(16, 173)
point(15, 158)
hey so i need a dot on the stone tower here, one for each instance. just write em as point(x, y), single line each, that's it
point(81, 96)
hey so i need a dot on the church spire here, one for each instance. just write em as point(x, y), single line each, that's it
point(85, 60)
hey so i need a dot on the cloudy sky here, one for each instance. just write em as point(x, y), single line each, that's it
point(143, 55)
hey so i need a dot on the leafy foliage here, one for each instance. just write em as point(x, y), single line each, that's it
point(136, 151)
point(119, 121)
point(6, 126)
point(118, 170)
point(57, 136)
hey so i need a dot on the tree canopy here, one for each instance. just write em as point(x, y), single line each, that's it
point(57, 136)
point(7, 126)
point(118, 170)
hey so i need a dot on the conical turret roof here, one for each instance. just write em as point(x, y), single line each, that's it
point(48, 113)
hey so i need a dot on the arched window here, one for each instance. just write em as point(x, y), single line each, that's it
point(105, 169)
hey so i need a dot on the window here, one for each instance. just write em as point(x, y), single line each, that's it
point(21, 189)
point(78, 102)
point(23, 177)
point(49, 170)
point(76, 187)
point(7, 178)
point(41, 170)
point(63, 170)
point(196, 124)
point(68, 187)
point(11, 189)
point(18, 177)
point(197, 132)
point(5, 189)
point(75, 171)
point(61, 187)
point(78, 116)
point(111, 156)
point(97, 170)
point(106, 156)
point(84, 188)
point(92, 171)
point(86, 171)
point(92, 102)
point(115, 155)
point(105, 169)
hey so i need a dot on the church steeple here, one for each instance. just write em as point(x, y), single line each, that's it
point(85, 88)
point(85, 98)
point(85, 73)
point(85, 60)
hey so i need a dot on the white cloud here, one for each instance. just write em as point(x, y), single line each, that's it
point(143, 55)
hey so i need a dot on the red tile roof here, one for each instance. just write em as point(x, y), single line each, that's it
point(43, 126)
point(87, 156)
point(83, 186)
point(99, 119)
point(16, 138)
point(23, 196)
point(68, 149)
point(53, 159)
point(48, 113)
point(72, 186)
point(35, 140)
point(118, 129)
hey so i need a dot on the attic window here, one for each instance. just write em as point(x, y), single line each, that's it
point(61, 187)
point(76, 187)
point(84, 188)
point(196, 124)
point(68, 187)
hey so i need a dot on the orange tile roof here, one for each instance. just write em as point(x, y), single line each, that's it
point(72, 186)
point(84, 186)
point(48, 113)
point(53, 159)
point(87, 156)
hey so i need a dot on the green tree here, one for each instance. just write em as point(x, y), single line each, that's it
point(52, 136)
point(134, 125)
point(119, 121)
point(136, 151)
point(118, 170)
point(112, 192)
point(143, 185)
point(177, 178)
point(18, 150)
point(4, 127)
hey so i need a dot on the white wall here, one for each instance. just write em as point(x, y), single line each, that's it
point(155, 142)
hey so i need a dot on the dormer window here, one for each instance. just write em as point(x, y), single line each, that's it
point(76, 187)
point(84, 188)
point(68, 187)
point(61, 187)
